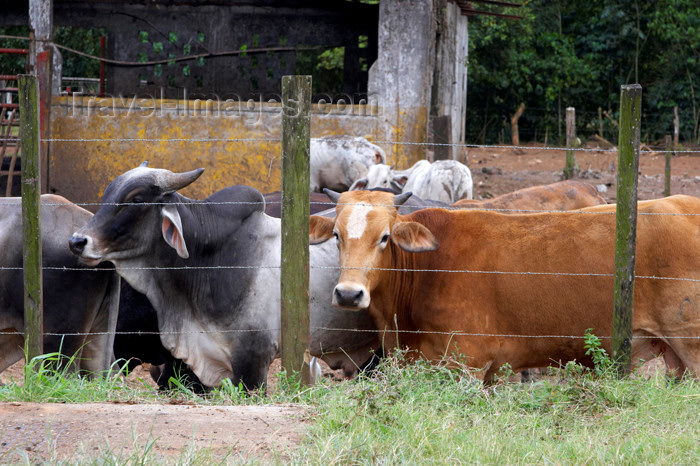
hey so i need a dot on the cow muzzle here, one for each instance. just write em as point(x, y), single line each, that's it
point(77, 244)
point(351, 296)
point(81, 246)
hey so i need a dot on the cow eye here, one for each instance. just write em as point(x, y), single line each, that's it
point(137, 200)
point(335, 235)
point(384, 239)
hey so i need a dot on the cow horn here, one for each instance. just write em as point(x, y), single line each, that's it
point(332, 194)
point(174, 181)
point(399, 199)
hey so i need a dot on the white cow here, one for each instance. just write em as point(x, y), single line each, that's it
point(444, 180)
point(337, 161)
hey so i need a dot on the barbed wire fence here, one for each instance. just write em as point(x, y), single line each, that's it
point(456, 332)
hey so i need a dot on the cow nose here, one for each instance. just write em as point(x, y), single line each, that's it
point(77, 244)
point(348, 298)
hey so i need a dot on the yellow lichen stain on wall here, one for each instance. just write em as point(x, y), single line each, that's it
point(114, 136)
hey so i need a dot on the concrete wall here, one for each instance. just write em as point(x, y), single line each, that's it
point(416, 87)
point(449, 93)
point(401, 78)
point(80, 170)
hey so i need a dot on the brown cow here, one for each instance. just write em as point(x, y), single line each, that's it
point(527, 275)
point(564, 195)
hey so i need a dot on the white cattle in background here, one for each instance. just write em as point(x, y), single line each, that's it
point(337, 161)
point(443, 180)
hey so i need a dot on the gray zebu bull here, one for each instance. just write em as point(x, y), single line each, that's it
point(75, 301)
point(211, 270)
point(337, 161)
point(444, 180)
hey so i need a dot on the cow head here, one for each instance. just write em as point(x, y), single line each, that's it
point(131, 200)
point(366, 226)
point(381, 176)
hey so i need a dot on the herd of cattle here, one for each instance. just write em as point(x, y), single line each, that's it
point(192, 286)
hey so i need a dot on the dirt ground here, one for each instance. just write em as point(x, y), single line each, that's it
point(50, 432)
point(72, 432)
point(501, 170)
point(266, 432)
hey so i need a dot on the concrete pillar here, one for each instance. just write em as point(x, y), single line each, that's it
point(400, 79)
point(41, 64)
point(449, 90)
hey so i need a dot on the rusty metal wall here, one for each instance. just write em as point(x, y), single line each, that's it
point(94, 140)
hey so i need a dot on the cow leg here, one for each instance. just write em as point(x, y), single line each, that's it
point(651, 348)
point(11, 349)
point(98, 352)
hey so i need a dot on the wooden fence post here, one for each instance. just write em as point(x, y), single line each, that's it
point(296, 131)
point(570, 167)
point(31, 215)
point(626, 225)
point(667, 171)
point(676, 127)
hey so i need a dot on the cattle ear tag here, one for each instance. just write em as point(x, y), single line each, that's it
point(413, 237)
point(172, 230)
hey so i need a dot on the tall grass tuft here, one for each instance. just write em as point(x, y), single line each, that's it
point(425, 413)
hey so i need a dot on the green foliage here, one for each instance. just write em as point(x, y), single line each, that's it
point(331, 59)
point(579, 54)
point(84, 40)
point(594, 348)
point(87, 40)
point(13, 64)
point(326, 68)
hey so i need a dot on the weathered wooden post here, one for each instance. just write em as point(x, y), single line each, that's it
point(296, 132)
point(626, 225)
point(31, 215)
point(667, 171)
point(676, 127)
point(570, 167)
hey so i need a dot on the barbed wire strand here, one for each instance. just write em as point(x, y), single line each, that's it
point(349, 330)
point(331, 205)
point(383, 269)
point(399, 143)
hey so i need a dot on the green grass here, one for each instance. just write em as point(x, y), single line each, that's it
point(425, 414)
point(422, 413)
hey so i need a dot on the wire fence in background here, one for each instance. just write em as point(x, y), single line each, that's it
point(380, 142)
point(456, 332)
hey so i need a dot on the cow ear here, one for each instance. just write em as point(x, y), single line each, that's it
point(378, 158)
point(413, 237)
point(320, 229)
point(359, 184)
point(172, 230)
point(399, 180)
